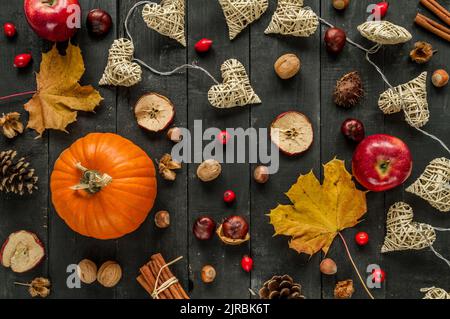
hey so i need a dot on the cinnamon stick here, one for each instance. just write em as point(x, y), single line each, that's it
point(154, 269)
point(432, 26)
point(160, 260)
point(165, 276)
point(141, 280)
point(437, 9)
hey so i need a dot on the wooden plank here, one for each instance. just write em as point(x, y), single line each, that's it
point(205, 19)
point(135, 250)
point(427, 269)
point(272, 256)
point(333, 143)
point(27, 212)
point(66, 247)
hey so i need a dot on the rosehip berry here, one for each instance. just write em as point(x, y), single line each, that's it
point(381, 8)
point(22, 60)
point(204, 45)
point(362, 238)
point(9, 29)
point(379, 276)
point(247, 263)
point(229, 197)
point(224, 137)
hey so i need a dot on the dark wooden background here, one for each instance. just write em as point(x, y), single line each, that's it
point(187, 198)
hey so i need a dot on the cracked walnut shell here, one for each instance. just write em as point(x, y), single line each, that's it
point(12, 126)
point(109, 274)
point(422, 52)
point(209, 170)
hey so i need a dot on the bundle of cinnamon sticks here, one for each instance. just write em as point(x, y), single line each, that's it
point(431, 25)
point(154, 285)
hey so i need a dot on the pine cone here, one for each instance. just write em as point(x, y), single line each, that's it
point(15, 175)
point(281, 287)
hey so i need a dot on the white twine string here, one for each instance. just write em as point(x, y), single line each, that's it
point(162, 73)
point(374, 50)
point(165, 285)
point(436, 252)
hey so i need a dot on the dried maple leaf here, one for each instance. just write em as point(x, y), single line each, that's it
point(59, 95)
point(319, 212)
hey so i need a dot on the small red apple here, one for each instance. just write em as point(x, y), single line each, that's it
point(381, 162)
point(53, 20)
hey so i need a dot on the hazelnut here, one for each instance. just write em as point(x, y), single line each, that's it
point(109, 274)
point(261, 174)
point(340, 4)
point(175, 135)
point(87, 271)
point(440, 78)
point(209, 170)
point(328, 267)
point(162, 219)
point(287, 66)
point(208, 274)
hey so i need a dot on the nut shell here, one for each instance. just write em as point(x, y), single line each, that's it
point(209, 170)
point(261, 174)
point(87, 271)
point(328, 267)
point(230, 241)
point(162, 219)
point(287, 66)
point(208, 274)
point(109, 274)
point(440, 78)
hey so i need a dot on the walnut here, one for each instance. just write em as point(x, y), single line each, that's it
point(422, 52)
point(167, 166)
point(287, 66)
point(87, 271)
point(109, 274)
point(209, 170)
point(11, 124)
point(344, 289)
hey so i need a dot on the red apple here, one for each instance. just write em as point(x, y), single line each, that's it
point(381, 162)
point(53, 20)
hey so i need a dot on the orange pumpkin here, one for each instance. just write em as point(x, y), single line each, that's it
point(103, 186)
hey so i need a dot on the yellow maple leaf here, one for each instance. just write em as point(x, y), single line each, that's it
point(319, 212)
point(59, 95)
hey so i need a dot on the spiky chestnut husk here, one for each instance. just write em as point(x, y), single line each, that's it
point(349, 90)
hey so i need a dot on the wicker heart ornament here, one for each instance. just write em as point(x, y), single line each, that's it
point(235, 90)
point(384, 32)
point(290, 18)
point(167, 18)
point(120, 69)
point(240, 13)
point(434, 184)
point(403, 233)
point(410, 97)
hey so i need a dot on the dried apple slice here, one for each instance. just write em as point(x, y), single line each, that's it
point(22, 251)
point(292, 132)
point(154, 112)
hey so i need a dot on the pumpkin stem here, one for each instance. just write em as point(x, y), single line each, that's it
point(91, 181)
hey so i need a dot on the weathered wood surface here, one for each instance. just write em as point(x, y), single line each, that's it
point(187, 198)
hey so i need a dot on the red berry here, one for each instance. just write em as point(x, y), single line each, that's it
point(362, 238)
point(229, 197)
point(9, 29)
point(204, 45)
point(247, 263)
point(224, 137)
point(379, 276)
point(22, 60)
point(381, 8)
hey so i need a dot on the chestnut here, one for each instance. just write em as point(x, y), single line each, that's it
point(204, 228)
point(335, 39)
point(99, 22)
point(235, 227)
